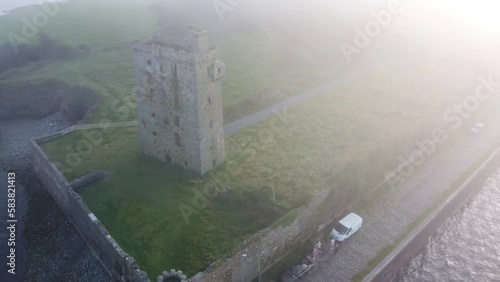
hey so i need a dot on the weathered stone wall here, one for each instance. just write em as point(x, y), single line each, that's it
point(87, 179)
point(273, 243)
point(269, 245)
point(121, 266)
point(179, 101)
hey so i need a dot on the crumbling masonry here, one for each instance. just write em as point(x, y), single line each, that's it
point(179, 100)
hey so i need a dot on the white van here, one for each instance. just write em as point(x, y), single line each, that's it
point(346, 227)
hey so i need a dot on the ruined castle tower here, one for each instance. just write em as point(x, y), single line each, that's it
point(179, 100)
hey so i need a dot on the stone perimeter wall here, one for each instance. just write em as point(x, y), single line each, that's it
point(255, 255)
point(119, 264)
point(273, 243)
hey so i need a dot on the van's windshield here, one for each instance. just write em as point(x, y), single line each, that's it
point(341, 228)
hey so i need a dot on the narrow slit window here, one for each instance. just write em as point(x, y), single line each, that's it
point(174, 70)
point(177, 121)
point(176, 99)
point(177, 139)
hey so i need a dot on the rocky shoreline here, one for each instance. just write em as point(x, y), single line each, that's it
point(54, 249)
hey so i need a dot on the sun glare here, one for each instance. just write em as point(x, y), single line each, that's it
point(479, 13)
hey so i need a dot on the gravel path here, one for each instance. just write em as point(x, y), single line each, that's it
point(389, 216)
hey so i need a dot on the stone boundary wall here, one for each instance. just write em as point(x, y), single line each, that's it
point(255, 255)
point(414, 243)
point(120, 265)
point(91, 126)
point(88, 179)
point(271, 244)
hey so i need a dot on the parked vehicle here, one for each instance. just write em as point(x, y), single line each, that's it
point(298, 270)
point(346, 227)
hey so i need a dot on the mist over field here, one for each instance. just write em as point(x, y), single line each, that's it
point(232, 163)
point(420, 27)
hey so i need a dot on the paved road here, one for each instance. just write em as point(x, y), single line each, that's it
point(389, 216)
point(259, 116)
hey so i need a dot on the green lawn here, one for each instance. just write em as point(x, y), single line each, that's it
point(139, 205)
point(330, 141)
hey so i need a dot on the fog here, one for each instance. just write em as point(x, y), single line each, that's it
point(361, 86)
point(443, 27)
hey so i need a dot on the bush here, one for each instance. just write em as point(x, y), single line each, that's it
point(37, 100)
point(47, 48)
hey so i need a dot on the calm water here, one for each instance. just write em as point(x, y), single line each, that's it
point(467, 247)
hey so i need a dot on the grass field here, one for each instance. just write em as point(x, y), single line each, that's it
point(345, 140)
point(139, 205)
point(262, 69)
point(315, 145)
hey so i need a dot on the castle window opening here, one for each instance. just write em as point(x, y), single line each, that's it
point(154, 133)
point(177, 121)
point(176, 99)
point(177, 139)
point(174, 70)
point(209, 101)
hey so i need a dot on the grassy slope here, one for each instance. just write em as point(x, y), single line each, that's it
point(322, 144)
point(106, 28)
point(261, 68)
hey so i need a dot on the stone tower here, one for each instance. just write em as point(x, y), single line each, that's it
point(179, 100)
